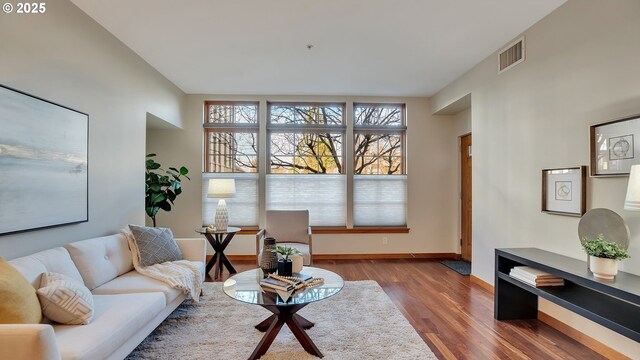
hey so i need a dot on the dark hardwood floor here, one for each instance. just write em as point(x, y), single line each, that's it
point(453, 315)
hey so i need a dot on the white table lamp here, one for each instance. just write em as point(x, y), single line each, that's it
point(221, 188)
point(632, 200)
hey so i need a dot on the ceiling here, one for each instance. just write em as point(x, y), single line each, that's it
point(360, 47)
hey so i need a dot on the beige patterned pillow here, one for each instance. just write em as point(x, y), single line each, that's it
point(65, 300)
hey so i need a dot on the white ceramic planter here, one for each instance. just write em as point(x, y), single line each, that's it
point(603, 268)
point(298, 261)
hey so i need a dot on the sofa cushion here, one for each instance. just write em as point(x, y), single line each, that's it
point(101, 259)
point(65, 300)
point(134, 282)
point(156, 245)
point(53, 260)
point(18, 301)
point(116, 319)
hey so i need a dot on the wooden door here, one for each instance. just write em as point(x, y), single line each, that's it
point(465, 196)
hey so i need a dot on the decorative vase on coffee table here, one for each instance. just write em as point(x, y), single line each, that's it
point(285, 267)
point(269, 259)
point(298, 262)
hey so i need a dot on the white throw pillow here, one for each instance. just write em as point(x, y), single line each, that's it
point(65, 300)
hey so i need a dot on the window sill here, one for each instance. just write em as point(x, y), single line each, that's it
point(361, 230)
point(343, 230)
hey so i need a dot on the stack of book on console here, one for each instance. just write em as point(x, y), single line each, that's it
point(535, 277)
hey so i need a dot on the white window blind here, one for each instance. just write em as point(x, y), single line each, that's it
point(323, 195)
point(243, 207)
point(380, 200)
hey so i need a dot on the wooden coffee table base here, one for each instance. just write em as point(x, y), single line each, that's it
point(272, 325)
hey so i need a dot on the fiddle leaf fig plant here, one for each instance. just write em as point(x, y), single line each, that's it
point(286, 251)
point(161, 187)
point(601, 248)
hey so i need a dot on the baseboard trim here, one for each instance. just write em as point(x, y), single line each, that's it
point(446, 256)
point(485, 285)
point(581, 337)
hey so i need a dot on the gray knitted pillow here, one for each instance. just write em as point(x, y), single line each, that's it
point(156, 245)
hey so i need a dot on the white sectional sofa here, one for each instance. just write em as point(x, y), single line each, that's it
point(127, 306)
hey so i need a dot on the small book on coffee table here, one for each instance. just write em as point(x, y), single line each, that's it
point(276, 284)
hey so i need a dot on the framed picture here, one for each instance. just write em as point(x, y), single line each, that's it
point(564, 191)
point(614, 146)
point(43, 162)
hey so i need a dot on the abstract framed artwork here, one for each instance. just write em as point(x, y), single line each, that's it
point(613, 146)
point(564, 191)
point(43, 162)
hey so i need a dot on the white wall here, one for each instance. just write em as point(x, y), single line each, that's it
point(432, 185)
point(581, 68)
point(66, 57)
point(463, 122)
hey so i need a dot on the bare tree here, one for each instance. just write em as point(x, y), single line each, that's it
point(303, 145)
point(378, 149)
point(310, 139)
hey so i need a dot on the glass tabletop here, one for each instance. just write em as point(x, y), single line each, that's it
point(245, 287)
point(230, 229)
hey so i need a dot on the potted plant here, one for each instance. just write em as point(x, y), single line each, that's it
point(285, 264)
point(603, 256)
point(161, 189)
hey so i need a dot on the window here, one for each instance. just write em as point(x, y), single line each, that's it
point(379, 184)
point(231, 132)
point(231, 152)
point(306, 161)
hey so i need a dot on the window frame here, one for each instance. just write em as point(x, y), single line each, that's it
point(383, 129)
point(211, 127)
point(303, 128)
point(348, 128)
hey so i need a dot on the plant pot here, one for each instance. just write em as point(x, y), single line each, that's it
point(603, 268)
point(285, 268)
point(298, 262)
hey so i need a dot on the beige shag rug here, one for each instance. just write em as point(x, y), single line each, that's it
point(360, 322)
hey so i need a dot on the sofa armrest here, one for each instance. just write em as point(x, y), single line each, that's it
point(28, 341)
point(193, 249)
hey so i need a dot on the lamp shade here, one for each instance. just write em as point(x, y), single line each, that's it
point(632, 200)
point(221, 188)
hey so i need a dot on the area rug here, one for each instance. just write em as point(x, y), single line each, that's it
point(460, 266)
point(360, 322)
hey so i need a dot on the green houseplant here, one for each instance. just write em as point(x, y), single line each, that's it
point(603, 256)
point(161, 188)
point(285, 265)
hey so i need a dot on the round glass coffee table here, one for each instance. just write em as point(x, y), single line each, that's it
point(245, 287)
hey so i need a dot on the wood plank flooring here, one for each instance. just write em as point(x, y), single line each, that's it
point(453, 315)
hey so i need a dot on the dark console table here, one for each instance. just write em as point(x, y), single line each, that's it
point(613, 304)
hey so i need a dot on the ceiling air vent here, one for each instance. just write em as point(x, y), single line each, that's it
point(511, 56)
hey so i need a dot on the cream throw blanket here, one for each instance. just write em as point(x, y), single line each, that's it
point(183, 274)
